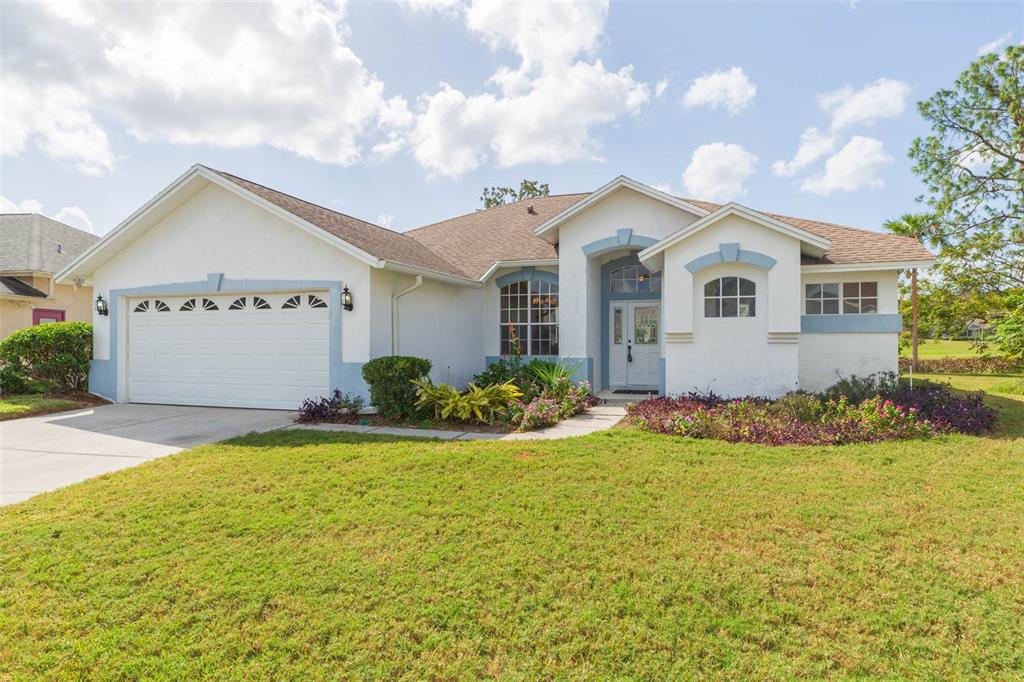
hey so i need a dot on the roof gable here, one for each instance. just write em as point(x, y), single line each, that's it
point(810, 241)
point(549, 227)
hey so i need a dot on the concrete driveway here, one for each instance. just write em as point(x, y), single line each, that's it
point(38, 454)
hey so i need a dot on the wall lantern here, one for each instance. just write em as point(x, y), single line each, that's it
point(346, 299)
point(101, 306)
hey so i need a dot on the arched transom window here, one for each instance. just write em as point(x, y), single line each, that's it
point(634, 279)
point(529, 315)
point(730, 297)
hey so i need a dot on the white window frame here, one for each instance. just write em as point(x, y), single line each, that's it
point(720, 297)
point(548, 289)
point(842, 298)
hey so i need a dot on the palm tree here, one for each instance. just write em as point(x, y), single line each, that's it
point(920, 226)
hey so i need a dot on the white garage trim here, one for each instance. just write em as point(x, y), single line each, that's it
point(107, 377)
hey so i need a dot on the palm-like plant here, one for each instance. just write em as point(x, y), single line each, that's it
point(920, 226)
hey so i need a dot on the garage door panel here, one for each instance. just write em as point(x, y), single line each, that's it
point(246, 357)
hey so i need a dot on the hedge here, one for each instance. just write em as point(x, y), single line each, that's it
point(390, 379)
point(57, 354)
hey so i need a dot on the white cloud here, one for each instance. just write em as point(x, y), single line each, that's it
point(385, 220)
point(853, 167)
point(996, 44)
point(660, 87)
point(69, 215)
point(442, 7)
point(717, 171)
point(731, 90)
point(885, 98)
point(189, 73)
point(814, 144)
point(547, 107)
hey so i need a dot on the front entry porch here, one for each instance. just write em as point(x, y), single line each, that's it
point(631, 327)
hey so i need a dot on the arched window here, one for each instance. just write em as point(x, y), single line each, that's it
point(529, 315)
point(632, 279)
point(729, 297)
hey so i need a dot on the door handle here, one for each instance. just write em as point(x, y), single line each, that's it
point(629, 351)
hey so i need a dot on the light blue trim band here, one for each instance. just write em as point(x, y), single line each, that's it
point(622, 238)
point(607, 297)
point(527, 274)
point(889, 323)
point(661, 376)
point(344, 376)
point(731, 253)
point(584, 370)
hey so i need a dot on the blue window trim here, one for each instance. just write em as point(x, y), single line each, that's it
point(344, 376)
point(867, 323)
point(527, 274)
point(731, 253)
point(607, 297)
point(623, 238)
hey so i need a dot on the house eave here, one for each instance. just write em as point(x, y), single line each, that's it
point(863, 267)
point(436, 275)
point(535, 262)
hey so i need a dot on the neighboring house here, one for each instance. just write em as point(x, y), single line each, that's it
point(33, 248)
point(977, 329)
point(224, 292)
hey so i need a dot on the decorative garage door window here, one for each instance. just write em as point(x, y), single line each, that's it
point(529, 316)
point(154, 305)
point(229, 302)
point(632, 279)
point(729, 297)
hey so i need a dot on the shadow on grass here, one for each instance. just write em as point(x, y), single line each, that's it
point(299, 437)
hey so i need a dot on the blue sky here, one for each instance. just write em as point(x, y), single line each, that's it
point(343, 105)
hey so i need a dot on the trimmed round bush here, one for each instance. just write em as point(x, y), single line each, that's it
point(391, 379)
point(56, 354)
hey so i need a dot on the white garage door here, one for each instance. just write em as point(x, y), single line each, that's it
point(238, 350)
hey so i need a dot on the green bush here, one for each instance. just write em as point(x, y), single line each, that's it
point(13, 381)
point(391, 379)
point(482, 404)
point(57, 354)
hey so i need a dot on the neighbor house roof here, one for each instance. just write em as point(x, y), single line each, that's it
point(12, 286)
point(30, 242)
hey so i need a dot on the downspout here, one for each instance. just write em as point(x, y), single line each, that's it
point(394, 311)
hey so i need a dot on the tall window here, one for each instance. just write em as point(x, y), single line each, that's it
point(729, 297)
point(531, 310)
point(632, 279)
point(857, 298)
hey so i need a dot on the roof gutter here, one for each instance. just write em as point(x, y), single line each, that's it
point(862, 267)
point(428, 273)
point(394, 311)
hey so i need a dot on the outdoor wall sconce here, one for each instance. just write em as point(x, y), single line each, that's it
point(346, 299)
point(101, 306)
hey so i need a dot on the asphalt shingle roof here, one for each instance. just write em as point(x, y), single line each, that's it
point(12, 286)
point(469, 245)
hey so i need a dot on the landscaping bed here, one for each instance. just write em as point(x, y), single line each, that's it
point(856, 410)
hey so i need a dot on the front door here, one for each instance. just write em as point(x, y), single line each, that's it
point(634, 353)
point(47, 315)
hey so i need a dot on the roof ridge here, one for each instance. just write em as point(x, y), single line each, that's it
point(492, 208)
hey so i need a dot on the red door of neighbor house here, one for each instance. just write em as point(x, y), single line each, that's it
point(47, 315)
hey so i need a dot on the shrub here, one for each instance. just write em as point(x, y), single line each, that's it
point(391, 379)
point(13, 381)
point(482, 404)
point(948, 409)
point(538, 413)
point(337, 406)
point(980, 365)
point(57, 354)
point(857, 389)
point(549, 373)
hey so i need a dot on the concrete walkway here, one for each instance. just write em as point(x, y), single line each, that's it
point(595, 419)
point(44, 453)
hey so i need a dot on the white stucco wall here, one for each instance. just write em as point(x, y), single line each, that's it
point(826, 357)
point(732, 356)
point(580, 304)
point(218, 232)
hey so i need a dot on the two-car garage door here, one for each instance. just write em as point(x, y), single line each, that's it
point(266, 350)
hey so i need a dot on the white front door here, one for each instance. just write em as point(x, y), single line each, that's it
point(634, 352)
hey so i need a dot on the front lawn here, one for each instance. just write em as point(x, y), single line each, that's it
point(947, 348)
point(30, 405)
point(305, 555)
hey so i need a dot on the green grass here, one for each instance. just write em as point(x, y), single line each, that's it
point(16, 406)
point(945, 348)
point(305, 555)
